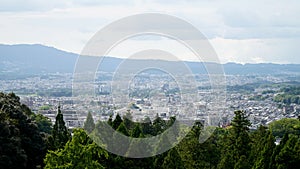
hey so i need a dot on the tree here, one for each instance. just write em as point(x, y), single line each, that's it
point(237, 144)
point(89, 124)
point(259, 138)
point(263, 157)
point(277, 150)
point(287, 158)
point(127, 118)
point(161, 150)
point(199, 155)
point(79, 152)
point(118, 120)
point(159, 125)
point(285, 125)
point(172, 160)
point(119, 143)
point(44, 123)
point(22, 144)
point(60, 134)
point(137, 132)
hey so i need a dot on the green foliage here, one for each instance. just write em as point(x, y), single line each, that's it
point(24, 136)
point(127, 118)
point(89, 124)
point(172, 160)
point(44, 123)
point(118, 120)
point(237, 144)
point(286, 158)
point(45, 107)
point(147, 127)
point(137, 132)
point(266, 147)
point(290, 95)
point(159, 125)
point(286, 125)
point(199, 155)
point(60, 134)
point(22, 144)
point(78, 153)
point(122, 129)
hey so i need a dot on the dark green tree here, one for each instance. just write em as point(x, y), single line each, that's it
point(60, 134)
point(89, 124)
point(127, 119)
point(264, 156)
point(22, 143)
point(161, 150)
point(237, 144)
point(159, 125)
point(44, 123)
point(286, 158)
point(137, 132)
point(147, 127)
point(122, 129)
point(118, 120)
point(277, 150)
point(172, 160)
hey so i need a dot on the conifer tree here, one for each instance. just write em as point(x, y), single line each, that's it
point(237, 143)
point(118, 120)
point(264, 156)
point(286, 158)
point(137, 132)
point(60, 133)
point(89, 124)
point(172, 160)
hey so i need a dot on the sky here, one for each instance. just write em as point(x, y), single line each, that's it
point(257, 31)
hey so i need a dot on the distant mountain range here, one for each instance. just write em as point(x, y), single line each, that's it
point(24, 59)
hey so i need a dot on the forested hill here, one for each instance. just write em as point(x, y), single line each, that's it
point(37, 59)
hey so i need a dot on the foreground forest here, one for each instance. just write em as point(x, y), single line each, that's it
point(29, 140)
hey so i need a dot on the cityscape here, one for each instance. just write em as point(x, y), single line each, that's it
point(44, 93)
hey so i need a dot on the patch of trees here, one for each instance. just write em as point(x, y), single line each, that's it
point(29, 141)
point(290, 94)
point(23, 134)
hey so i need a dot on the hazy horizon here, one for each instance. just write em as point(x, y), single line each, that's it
point(120, 57)
point(241, 32)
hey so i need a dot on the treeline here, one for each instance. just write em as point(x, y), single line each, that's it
point(290, 94)
point(29, 141)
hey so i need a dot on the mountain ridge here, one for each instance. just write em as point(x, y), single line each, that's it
point(37, 59)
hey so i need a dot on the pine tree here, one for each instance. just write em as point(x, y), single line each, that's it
point(147, 127)
point(237, 143)
point(276, 151)
point(258, 138)
point(137, 132)
point(264, 156)
point(286, 158)
point(159, 125)
point(118, 120)
point(119, 142)
point(60, 134)
point(127, 119)
point(172, 160)
point(89, 124)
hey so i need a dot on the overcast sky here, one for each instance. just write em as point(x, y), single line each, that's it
point(240, 31)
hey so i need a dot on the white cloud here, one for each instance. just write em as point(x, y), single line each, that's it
point(241, 31)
